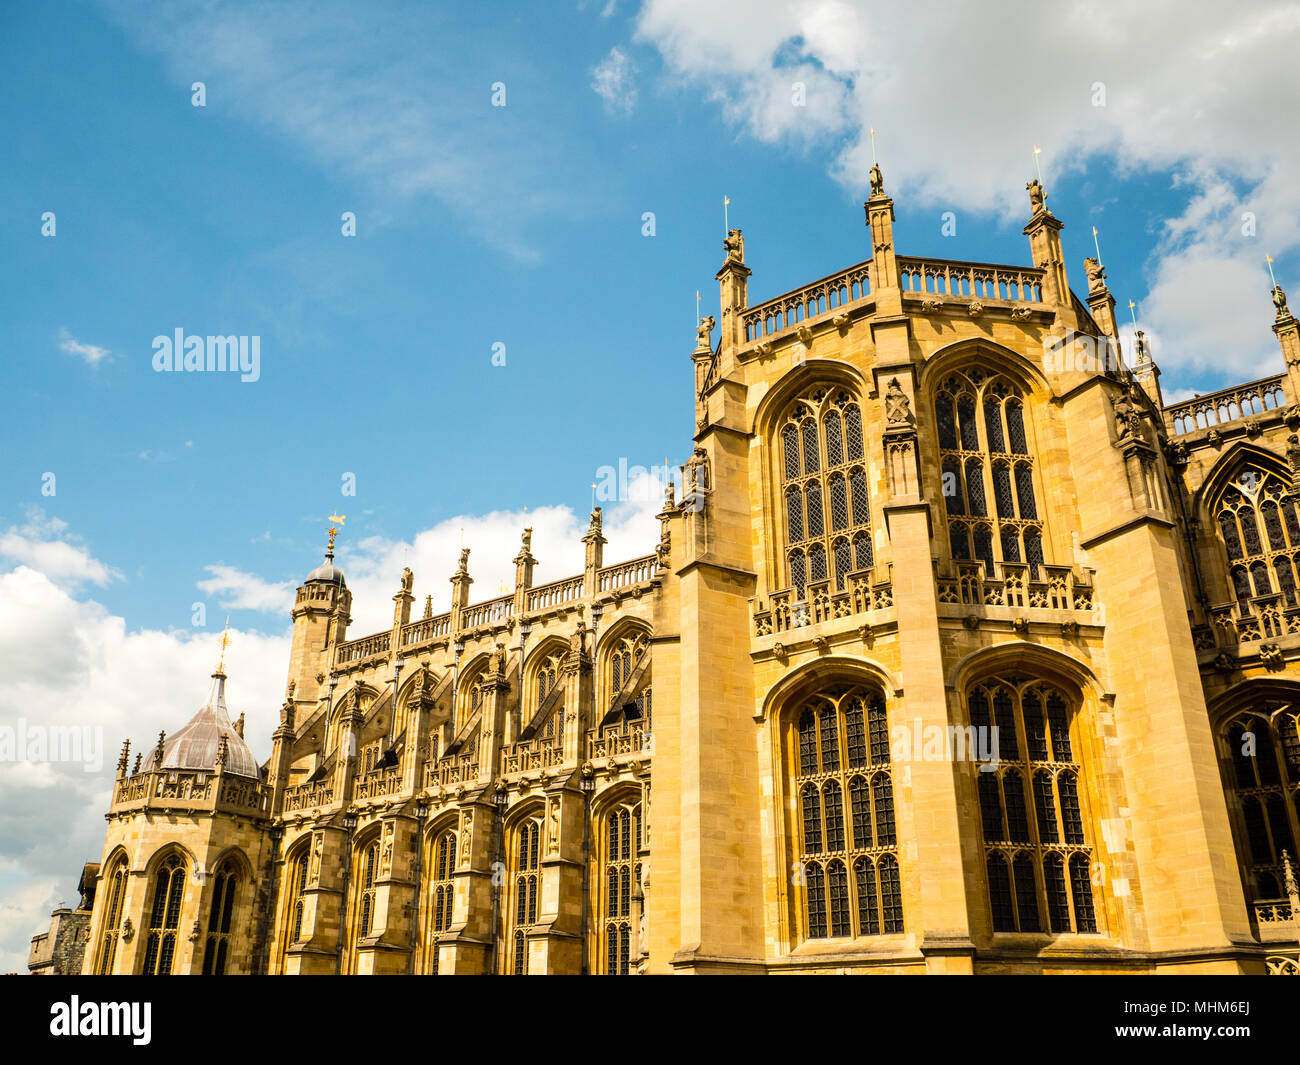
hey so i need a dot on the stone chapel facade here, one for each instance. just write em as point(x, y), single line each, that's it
point(961, 653)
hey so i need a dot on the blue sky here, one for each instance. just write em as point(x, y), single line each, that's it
point(520, 225)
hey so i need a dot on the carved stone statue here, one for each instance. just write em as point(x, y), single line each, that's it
point(1279, 301)
point(528, 540)
point(1128, 419)
point(735, 246)
point(408, 579)
point(877, 181)
point(464, 560)
point(898, 410)
point(466, 835)
point(1096, 275)
point(702, 331)
point(697, 471)
point(596, 520)
point(1037, 198)
point(1293, 460)
point(1143, 353)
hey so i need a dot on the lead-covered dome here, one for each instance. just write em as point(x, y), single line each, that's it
point(198, 743)
point(327, 572)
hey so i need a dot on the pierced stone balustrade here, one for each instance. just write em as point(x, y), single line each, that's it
point(452, 770)
point(627, 574)
point(307, 796)
point(1263, 617)
point(816, 300)
point(821, 602)
point(531, 754)
point(378, 783)
point(1014, 584)
point(367, 647)
point(1229, 405)
point(493, 612)
point(425, 630)
point(940, 277)
point(631, 739)
point(1275, 920)
point(545, 596)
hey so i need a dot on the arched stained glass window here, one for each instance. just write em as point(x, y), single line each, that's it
point(622, 873)
point(1261, 772)
point(164, 916)
point(1032, 860)
point(526, 879)
point(850, 881)
point(827, 502)
point(985, 457)
point(225, 887)
point(115, 887)
point(442, 893)
point(1260, 529)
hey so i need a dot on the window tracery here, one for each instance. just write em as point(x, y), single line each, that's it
point(622, 873)
point(442, 893)
point(1260, 530)
point(847, 841)
point(826, 502)
point(297, 900)
point(115, 885)
point(1263, 748)
point(526, 881)
point(987, 471)
point(1038, 864)
point(217, 947)
point(164, 916)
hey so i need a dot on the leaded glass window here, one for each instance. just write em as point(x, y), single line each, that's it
point(824, 485)
point(1260, 530)
point(526, 878)
point(1261, 760)
point(622, 873)
point(442, 892)
point(216, 952)
point(845, 834)
point(164, 916)
point(986, 457)
point(1032, 859)
point(115, 887)
point(368, 872)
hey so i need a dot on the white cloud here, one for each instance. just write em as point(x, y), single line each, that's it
point(1195, 89)
point(40, 542)
point(91, 354)
point(373, 566)
point(238, 590)
point(612, 81)
point(68, 660)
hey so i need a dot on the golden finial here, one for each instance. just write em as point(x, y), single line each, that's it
point(225, 639)
point(335, 521)
point(1272, 277)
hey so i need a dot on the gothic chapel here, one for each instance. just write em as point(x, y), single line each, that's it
point(916, 517)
